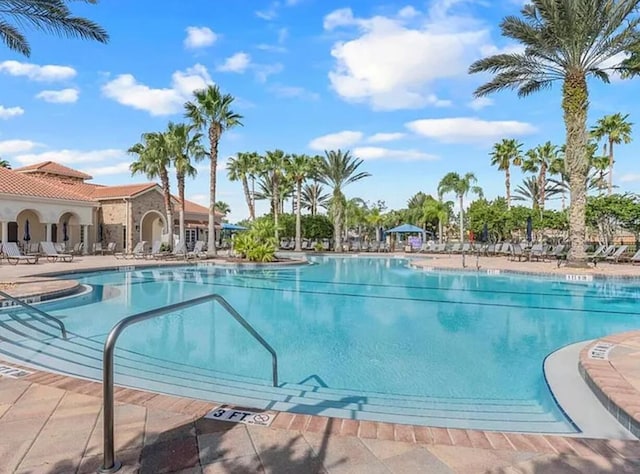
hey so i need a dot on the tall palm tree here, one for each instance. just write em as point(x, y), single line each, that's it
point(240, 168)
point(506, 153)
point(338, 169)
point(616, 129)
point(298, 169)
point(566, 41)
point(154, 158)
point(5, 164)
point(436, 209)
point(314, 198)
point(274, 166)
point(538, 160)
point(210, 110)
point(185, 146)
point(460, 186)
point(49, 16)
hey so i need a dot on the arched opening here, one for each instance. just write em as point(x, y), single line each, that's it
point(67, 231)
point(27, 230)
point(152, 226)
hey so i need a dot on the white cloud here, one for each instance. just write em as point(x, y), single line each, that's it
point(199, 37)
point(379, 153)
point(10, 112)
point(70, 157)
point(271, 48)
point(332, 141)
point(64, 96)
point(480, 103)
point(630, 178)
point(385, 137)
point(408, 12)
point(391, 66)
point(35, 72)
point(10, 147)
point(237, 63)
point(271, 12)
point(263, 71)
point(118, 168)
point(294, 92)
point(125, 90)
point(469, 129)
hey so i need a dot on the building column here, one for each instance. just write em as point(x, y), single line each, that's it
point(85, 239)
point(5, 232)
point(49, 229)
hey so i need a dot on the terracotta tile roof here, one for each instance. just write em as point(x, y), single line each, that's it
point(126, 190)
point(191, 207)
point(25, 185)
point(53, 168)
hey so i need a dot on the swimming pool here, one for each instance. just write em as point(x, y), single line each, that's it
point(365, 338)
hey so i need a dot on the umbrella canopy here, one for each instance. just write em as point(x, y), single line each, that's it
point(27, 231)
point(65, 232)
point(405, 229)
point(529, 228)
point(484, 237)
point(227, 226)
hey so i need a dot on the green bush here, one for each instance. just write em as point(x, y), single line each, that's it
point(313, 227)
point(257, 244)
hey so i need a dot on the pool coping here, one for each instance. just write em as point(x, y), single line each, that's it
point(611, 387)
point(415, 434)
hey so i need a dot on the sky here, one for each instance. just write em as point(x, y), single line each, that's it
point(387, 80)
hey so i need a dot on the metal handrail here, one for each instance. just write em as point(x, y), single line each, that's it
point(110, 464)
point(63, 328)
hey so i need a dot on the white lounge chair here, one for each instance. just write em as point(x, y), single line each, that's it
point(198, 251)
point(14, 256)
point(616, 256)
point(52, 255)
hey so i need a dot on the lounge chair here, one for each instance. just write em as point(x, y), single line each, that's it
point(97, 248)
point(517, 251)
point(179, 251)
point(77, 248)
point(137, 252)
point(52, 255)
point(538, 252)
point(14, 256)
point(601, 253)
point(455, 248)
point(198, 251)
point(616, 256)
point(111, 248)
point(635, 258)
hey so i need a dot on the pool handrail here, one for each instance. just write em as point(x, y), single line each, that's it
point(39, 312)
point(110, 464)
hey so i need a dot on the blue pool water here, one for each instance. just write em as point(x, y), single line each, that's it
point(441, 345)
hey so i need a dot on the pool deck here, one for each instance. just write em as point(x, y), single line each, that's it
point(51, 423)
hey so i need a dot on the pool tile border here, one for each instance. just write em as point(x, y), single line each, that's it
point(613, 390)
point(299, 423)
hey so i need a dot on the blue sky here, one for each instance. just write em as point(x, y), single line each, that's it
point(385, 79)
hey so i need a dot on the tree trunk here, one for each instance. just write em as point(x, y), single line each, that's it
point(461, 219)
point(440, 230)
point(276, 205)
point(164, 179)
point(214, 138)
point(253, 198)
point(575, 105)
point(542, 184)
point(298, 218)
point(337, 222)
point(507, 185)
point(247, 197)
point(610, 166)
point(180, 180)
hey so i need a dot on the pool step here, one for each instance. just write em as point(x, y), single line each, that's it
point(29, 341)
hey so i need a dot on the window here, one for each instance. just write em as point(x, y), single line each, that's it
point(124, 237)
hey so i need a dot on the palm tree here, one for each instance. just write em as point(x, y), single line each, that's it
point(184, 146)
point(376, 220)
point(436, 209)
point(538, 160)
point(355, 213)
point(240, 168)
point(299, 168)
point(274, 165)
point(211, 111)
point(154, 159)
point(338, 169)
point(5, 164)
point(49, 16)
point(529, 190)
point(566, 41)
point(460, 186)
point(223, 208)
point(313, 198)
point(506, 153)
point(616, 129)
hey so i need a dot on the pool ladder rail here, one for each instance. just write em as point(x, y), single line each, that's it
point(110, 463)
point(39, 312)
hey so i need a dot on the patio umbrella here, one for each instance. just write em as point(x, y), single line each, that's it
point(227, 226)
point(27, 231)
point(484, 236)
point(529, 228)
point(100, 231)
point(65, 232)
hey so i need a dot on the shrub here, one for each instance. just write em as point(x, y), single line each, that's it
point(256, 244)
